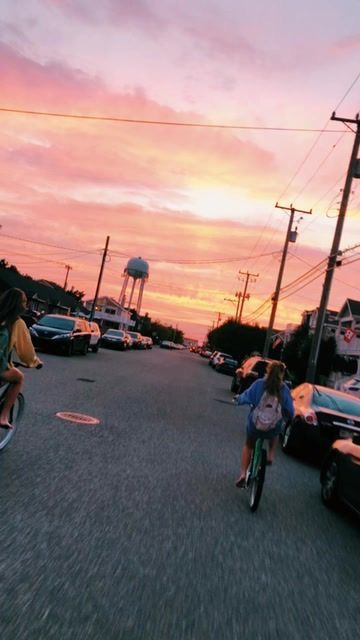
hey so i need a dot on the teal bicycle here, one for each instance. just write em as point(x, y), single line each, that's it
point(255, 476)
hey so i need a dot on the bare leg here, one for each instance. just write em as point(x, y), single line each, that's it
point(245, 459)
point(16, 378)
point(272, 448)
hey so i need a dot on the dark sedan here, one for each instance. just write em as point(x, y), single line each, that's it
point(226, 365)
point(322, 415)
point(340, 475)
point(115, 339)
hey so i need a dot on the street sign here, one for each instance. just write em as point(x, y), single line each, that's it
point(348, 335)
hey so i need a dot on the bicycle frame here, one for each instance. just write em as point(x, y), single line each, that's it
point(256, 474)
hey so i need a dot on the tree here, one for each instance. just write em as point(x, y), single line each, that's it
point(237, 339)
point(297, 351)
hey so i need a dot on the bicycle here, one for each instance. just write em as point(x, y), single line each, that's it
point(255, 476)
point(16, 412)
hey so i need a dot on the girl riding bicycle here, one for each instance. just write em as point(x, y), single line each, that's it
point(273, 385)
point(13, 334)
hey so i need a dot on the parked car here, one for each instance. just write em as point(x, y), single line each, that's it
point(322, 415)
point(115, 339)
point(136, 339)
point(205, 353)
point(61, 333)
point(95, 336)
point(340, 475)
point(167, 344)
point(147, 342)
point(250, 370)
point(227, 365)
point(216, 357)
point(351, 386)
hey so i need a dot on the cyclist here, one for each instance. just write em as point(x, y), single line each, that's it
point(274, 385)
point(13, 334)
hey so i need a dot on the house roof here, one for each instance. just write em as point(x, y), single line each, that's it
point(350, 307)
point(40, 289)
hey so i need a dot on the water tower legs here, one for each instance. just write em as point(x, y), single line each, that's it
point(141, 291)
point(123, 290)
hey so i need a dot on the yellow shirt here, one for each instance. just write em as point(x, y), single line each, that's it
point(20, 340)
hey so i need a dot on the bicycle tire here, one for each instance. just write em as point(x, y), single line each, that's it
point(6, 435)
point(257, 483)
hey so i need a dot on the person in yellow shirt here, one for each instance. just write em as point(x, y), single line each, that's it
point(14, 334)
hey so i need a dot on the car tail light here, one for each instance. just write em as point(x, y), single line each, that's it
point(310, 417)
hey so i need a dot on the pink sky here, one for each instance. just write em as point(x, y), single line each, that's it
point(197, 203)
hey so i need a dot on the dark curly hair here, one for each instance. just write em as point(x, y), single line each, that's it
point(11, 306)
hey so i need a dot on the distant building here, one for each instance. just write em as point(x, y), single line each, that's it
point(110, 314)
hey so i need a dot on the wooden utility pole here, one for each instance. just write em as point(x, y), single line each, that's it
point(245, 295)
point(67, 267)
point(93, 306)
point(353, 172)
point(275, 298)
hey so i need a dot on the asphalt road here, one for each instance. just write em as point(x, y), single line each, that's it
point(133, 529)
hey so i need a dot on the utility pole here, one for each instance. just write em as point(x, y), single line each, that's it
point(93, 306)
point(238, 295)
point(218, 319)
point(67, 267)
point(275, 297)
point(353, 172)
point(245, 295)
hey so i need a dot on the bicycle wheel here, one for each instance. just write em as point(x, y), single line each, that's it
point(6, 435)
point(257, 481)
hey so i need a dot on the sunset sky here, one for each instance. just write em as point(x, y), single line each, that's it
point(197, 203)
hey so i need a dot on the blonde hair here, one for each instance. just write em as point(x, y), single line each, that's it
point(274, 377)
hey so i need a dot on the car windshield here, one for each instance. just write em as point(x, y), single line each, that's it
point(349, 405)
point(133, 334)
point(57, 323)
point(115, 333)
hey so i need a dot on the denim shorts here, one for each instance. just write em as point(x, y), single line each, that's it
point(254, 433)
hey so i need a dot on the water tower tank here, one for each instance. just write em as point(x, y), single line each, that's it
point(137, 268)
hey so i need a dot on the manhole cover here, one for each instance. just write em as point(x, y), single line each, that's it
point(80, 418)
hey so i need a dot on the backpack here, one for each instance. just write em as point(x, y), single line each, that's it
point(267, 413)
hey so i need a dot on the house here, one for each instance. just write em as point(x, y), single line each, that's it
point(43, 296)
point(110, 314)
point(348, 329)
point(309, 318)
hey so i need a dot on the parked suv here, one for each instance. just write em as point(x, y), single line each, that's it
point(95, 336)
point(250, 370)
point(136, 339)
point(61, 333)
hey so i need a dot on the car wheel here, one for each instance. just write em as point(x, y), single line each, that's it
point(84, 349)
point(329, 482)
point(291, 438)
point(95, 348)
point(70, 349)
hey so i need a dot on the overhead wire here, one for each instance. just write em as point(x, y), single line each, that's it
point(171, 123)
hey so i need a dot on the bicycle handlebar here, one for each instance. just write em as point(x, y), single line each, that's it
point(25, 366)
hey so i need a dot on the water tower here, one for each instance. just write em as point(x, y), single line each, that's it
point(136, 269)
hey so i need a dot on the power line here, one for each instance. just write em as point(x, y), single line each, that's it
point(47, 244)
point(169, 123)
